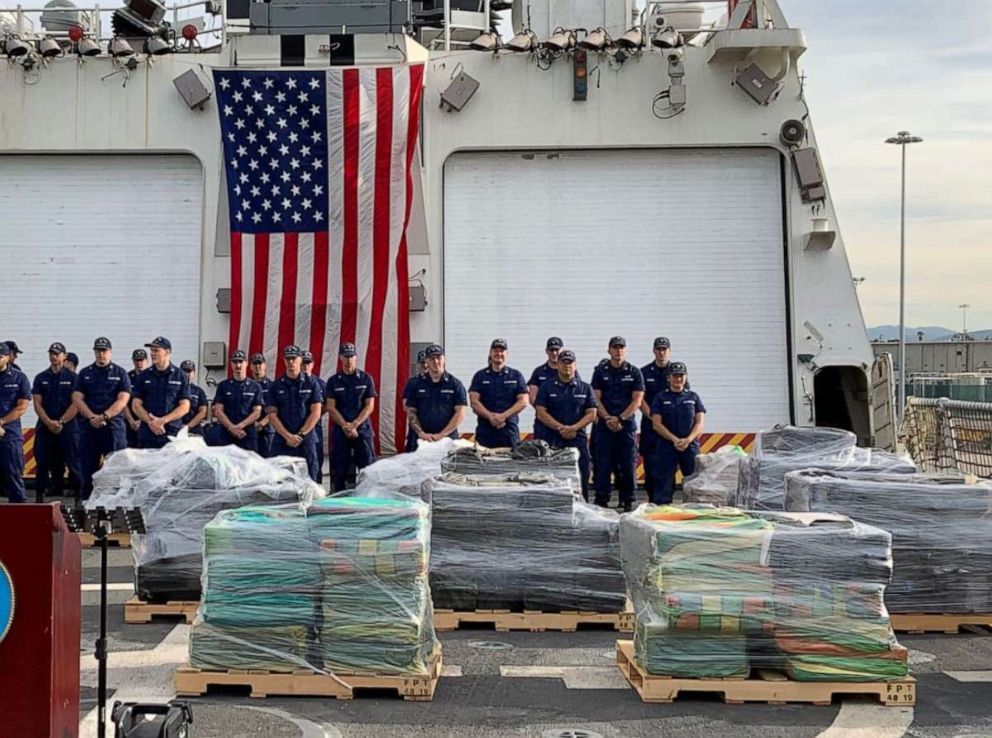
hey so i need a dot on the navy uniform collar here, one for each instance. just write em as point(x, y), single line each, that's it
point(504, 370)
point(444, 377)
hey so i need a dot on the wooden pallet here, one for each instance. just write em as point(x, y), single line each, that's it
point(118, 539)
point(536, 622)
point(941, 623)
point(771, 686)
point(192, 682)
point(136, 611)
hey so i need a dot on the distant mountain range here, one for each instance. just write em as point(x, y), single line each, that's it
point(930, 333)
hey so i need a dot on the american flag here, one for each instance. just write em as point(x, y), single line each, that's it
point(319, 190)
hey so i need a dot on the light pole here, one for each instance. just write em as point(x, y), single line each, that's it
point(902, 139)
point(964, 319)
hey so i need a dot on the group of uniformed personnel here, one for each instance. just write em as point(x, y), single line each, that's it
point(84, 417)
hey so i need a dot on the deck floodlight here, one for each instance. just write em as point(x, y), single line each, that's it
point(595, 41)
point(156, 46)
point(523, 42)
point(88, 47)
point(668, 38)
point(631, 40)
point(49, 48)
point(488, 41)
point(15, 48)
point(561, 40)
point(120, 48)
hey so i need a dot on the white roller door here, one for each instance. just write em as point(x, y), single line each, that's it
point(590, 244)
point(100, 246)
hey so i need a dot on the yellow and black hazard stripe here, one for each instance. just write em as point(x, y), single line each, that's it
point(30, 466)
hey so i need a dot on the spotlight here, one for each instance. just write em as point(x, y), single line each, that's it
point(49, 48)
point(561, 40)
point(15, 48)
point(120, 48)
point(668, 38)
point(522, 42)
point(155, 46)
point(488, 41)
point(595, 41)
point(88, 47)
point(631, 40)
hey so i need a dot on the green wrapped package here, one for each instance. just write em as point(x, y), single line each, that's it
point(266, 649)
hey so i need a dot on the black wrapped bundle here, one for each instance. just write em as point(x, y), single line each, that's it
point(530, 457)
point(941, 532)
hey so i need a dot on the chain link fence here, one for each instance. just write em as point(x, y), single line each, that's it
point(949, 435)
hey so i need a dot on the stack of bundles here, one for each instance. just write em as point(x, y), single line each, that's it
point(407, 474)
point(830, 576)
point(716, 477)
point(718, 591)
point(789, 448)
point(179, 489)
point(522, 542)
point(530, 457)
point(941, 532)
point(375, 598)
point(261, 591)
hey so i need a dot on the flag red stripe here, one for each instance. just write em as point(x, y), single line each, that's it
point(287, 304)
point(260, 297)
point(381, 221)
point(234, 336)
point(318, 316)
point(349, 256)
point(402, 272)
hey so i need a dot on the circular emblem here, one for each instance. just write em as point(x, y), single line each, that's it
point(6, 601)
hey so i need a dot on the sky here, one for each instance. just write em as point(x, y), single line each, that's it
point(873, 68)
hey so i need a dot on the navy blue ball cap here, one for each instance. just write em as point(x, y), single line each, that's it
point(499, 343)
point(4, 349)
point(14, 349)
point(554, 343)
point(292, 352)
point(188, 365)
point(102, 344)
point(434, 350)
point(677, 367)
point(160, 342)
point(662, 342)
point(258, 358)
point(73, 358)
point(421, 356)
point(239, 355)
point(56, 348)
point(618, 341)
point(348, 349)
point(566, 357)
point(307, 357)
point(139, 355)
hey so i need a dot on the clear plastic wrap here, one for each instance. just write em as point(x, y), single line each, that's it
point(522, 542)
point(179, 489)
point(716, 477)
point(529, 457)
point(719, 591)
point(339, 586)
point(941, 532)
point(761, 485)
point(406, 475)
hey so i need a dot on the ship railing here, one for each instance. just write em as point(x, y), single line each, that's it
point(949, 436)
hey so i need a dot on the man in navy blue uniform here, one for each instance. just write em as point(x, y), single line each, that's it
point(15, 396)
point(497, 395)
point(161, 397)
point(655, 380)
point(411, 436)
point(436, 402)
point(139, 362)
point(198, 403)
point(319, 430)
point(15, 351)
point(72, 362)
point(294, 406)
point(56, 435)
point(619, 387)
point(677, 415)
point(540, 375)
point(101, 394)
point(238, 404)
point(566, 406)
point(350, 400)
point(266, 433)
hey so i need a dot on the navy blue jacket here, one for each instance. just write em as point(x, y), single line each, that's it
point(55, 390)
point(239, 398)
point(349, 392)
point(100, 386)
point(677, 411)
point(616, 386)
point(435, 402)
point(566, 402)
point(160, 393)
point(14, 386)
point(293, 399)
point(498, 391)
